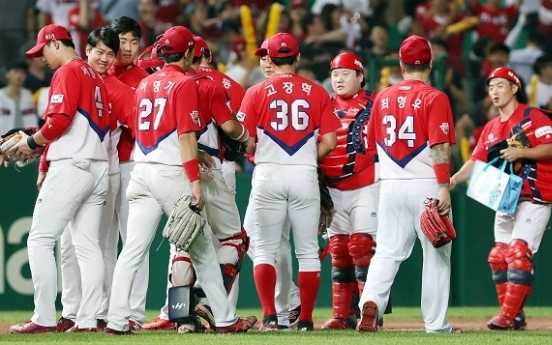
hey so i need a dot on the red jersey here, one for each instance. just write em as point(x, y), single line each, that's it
point(350, 166)
point(233, 88)
point(494, 23)
point(131, 75)
point(407, 119)
point(286, 113)
point(167, 103)
point(431, 24)
point(78, 92)
point(545, 17)
point(96, 22)
point(214, 109)
point(537, 127)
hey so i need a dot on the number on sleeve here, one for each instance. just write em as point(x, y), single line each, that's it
point(98, 98)
point(146, 109)
point(406, 131)
point(299, 117)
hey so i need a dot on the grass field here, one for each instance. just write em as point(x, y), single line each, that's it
point(404, 326)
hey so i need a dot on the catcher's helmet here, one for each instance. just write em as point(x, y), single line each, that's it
point(347, 60)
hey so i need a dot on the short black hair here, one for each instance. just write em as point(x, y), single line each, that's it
point(416, 68)
point(17, 65)
point(290, 60)
point(206, 53)
point(541, 62)
point(521, 96)
point(379, 25)
point(307, 20)
point(196, 59)
point(499, 47)
point(105, 35)
point(124, 24)
point(536, 38)
point(177, 56)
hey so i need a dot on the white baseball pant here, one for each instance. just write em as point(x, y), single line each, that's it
point(229, 175)
point(153, 189)
point(73, 192)
point(400, 207)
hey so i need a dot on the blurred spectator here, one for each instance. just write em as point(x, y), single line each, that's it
point(498, 55)
point(316, 52)
point(245, 70)
point(16, 103)
point(530, 9)
point(297, 10)
point(306, 71)
point(38, 75)
point(83, 19)
point(196, 17)
point(389, 75)
point(522, 60)
point(169, 10)
point(471, 124)
point(453, 80)
point(41, 101)
point(117, 8)
point(17, 25)
point(229, 33)
point(545, 23)
point(539, 89)
point(341, 25)
point(379, 41)
point(149, 20)
point(57, 12)
point(494, 21)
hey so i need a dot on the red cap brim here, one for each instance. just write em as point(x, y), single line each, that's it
point(36, 51)
point(261, 52)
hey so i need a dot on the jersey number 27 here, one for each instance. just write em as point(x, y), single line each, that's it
point(147, 108)
point(404, 132)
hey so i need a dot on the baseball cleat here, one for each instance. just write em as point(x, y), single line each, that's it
point(64, 324)
point(110, 331)
point(76, 329)
point(369, 320)
point(191, 326)
point(135, 326)
point(239, 326)
point(29, 327)
point(101, 325)
point(269, 323)
point(294, 316)
point(335, 324)
point(204, 311)
point(519, 322)
point(251, 320)
point(305, 326)
point(500, 323)
point(159, 324)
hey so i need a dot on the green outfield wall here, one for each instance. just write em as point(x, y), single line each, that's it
point(471, 278)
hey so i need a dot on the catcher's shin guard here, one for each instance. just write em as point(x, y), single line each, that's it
point(520, 276)
point(230, 256)
point(181, 303)
point(341, 299)
point(499, 267)
point(362, 248)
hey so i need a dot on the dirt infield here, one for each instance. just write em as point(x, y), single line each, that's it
point(536, 324)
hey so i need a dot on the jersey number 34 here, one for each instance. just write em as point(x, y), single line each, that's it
point(404, 132)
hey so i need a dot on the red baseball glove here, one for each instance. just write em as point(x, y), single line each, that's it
point(438, 229)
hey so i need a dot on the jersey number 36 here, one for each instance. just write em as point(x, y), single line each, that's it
point(285, 111)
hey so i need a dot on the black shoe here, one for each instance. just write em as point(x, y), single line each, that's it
point(270, 323)
point(109, 331)
point(294, 316)
point(305, 326)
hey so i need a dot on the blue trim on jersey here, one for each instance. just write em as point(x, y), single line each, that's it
point(290, 150)
point(211, 151)
point(403, 162)
point(146, 150)
point(101, 133)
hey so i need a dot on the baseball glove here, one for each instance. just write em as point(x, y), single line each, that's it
point(10, 139)
point(327, 209)
point(437, 228)
point(233, 149)
point(184, 224)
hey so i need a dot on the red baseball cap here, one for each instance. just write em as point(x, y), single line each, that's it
point(347, 60)
point(282, 45)
point(263, 49)
point(506, 73)
point(297, 3)
point(415, 51)
point(239, 45)
point(47, 34)
point(176, 40)
point(200, 46)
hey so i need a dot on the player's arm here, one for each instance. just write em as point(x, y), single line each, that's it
point(329, 124)
point(248, 117)
point(441, 155)
point(188, 153)
point(326, 145)
point(220, 108)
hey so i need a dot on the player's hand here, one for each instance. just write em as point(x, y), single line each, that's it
point(205, 160)
point(511, 154)
point(443, 206)
point(21, 151)
point(40, 179)
point(197, 194)
point(453, 182)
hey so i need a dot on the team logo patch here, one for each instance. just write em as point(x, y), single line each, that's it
point(195, 117)
point(56, 99)
point(541, 131)
point(240, 116)
point(445, 128)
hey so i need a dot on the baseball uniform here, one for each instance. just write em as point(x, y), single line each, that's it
point(407, 119)
point(16, 113)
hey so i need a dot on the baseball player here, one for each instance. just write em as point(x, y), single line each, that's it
point(165, 143)
point(101, 49)
point(126, 71)
point(286, 298)
point(517, 236)
point(351, 174)
point(77, 134)
point(411, 126)
point(285, 114)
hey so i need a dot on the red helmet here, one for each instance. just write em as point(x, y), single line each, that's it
point(347, 60)
point(506, 73)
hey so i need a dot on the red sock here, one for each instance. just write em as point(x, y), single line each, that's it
point(309, 282)
point(265, 282)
